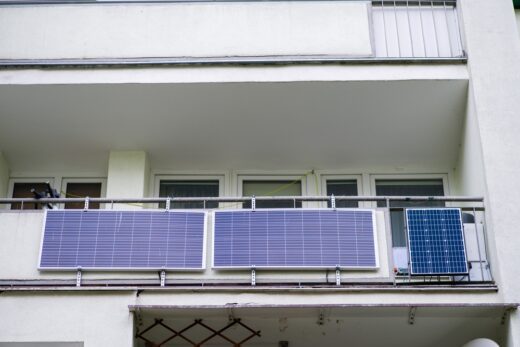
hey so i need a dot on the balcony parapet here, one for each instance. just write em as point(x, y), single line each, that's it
point(142, 33)
point(21, 238)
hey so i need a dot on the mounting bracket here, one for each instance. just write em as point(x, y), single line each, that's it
point(163, 278)
point(411, 315)
point(78, 277)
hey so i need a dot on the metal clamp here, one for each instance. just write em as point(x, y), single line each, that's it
point(78, 277)
point(163, 278)
point(411, 315)
point(505, 315)
point(87, 201)
point(253, 276)
point(253, 202)
point(333, 201)
point(321, 318)
point(168, 200)
point(338, 275)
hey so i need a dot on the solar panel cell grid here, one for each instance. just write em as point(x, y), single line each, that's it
point(123, 240)
point(294, 238)
point(436, 241)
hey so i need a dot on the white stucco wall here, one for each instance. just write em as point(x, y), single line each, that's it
point(185, 30)
point(492, 36)
point(469, 172)
point(95, 319)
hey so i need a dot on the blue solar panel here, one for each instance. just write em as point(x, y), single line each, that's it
point(105, 239)
point(294, 238)
point(436, 241)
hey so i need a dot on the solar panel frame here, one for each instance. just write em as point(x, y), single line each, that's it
point(462, 239)
point(302, 267)
point(127, 269)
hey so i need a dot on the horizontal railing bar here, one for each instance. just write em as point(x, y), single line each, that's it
point(265, 60)
point(100, 2)
point(244, 199)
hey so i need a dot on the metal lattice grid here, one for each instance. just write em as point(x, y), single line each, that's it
point(171, 333)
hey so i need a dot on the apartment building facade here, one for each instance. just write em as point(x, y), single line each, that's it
point(142, 112)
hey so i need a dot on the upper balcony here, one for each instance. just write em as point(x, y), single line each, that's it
point(69, 32)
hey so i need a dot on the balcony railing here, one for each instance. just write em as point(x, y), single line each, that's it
point(472, 208)
point(416, 29)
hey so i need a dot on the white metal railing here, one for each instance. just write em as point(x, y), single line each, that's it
point(416, 29)
point(8, 201)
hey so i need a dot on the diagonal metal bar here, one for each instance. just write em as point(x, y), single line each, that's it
point(246, 339)
point(148, 342)
point(239, 322)
point(217, 332)
point(140, 334)
point(178, 334)
point(253, 332)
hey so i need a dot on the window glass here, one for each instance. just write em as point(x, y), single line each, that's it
point(81, 190)
point(189, 189)
point(343, 187)
point(433, 187)
point(272, 188)
point(23, 190)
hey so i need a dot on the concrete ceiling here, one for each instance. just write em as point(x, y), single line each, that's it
point(296, 125)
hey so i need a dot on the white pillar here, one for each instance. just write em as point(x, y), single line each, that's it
point(493, 46)
point(4, 176)
point(128, 176)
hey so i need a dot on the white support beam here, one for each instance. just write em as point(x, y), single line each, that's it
point(494, 51)
point(128, 176)
point(4, 176)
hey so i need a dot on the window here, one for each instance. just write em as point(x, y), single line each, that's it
point(189, 188)
point(272, 188)
point(413, 187)
point(23, 190)
point(81, 190)
point(343, 187)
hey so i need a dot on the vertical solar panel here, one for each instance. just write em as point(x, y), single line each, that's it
point(436, 241)
point(105, 239)
point(294, 238)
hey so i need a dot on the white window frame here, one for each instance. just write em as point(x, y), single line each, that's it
point(102, 180)
point(273, 177)
point(66, 180)
point(194, 177)
point(221, 178)
point(270, 178)
point(340, 177)
point(14, 180)
point(396, 177)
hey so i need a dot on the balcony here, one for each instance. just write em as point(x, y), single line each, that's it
point(21, 238)
point(89, 33)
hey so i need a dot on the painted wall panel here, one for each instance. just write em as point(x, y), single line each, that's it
point(185, 30)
